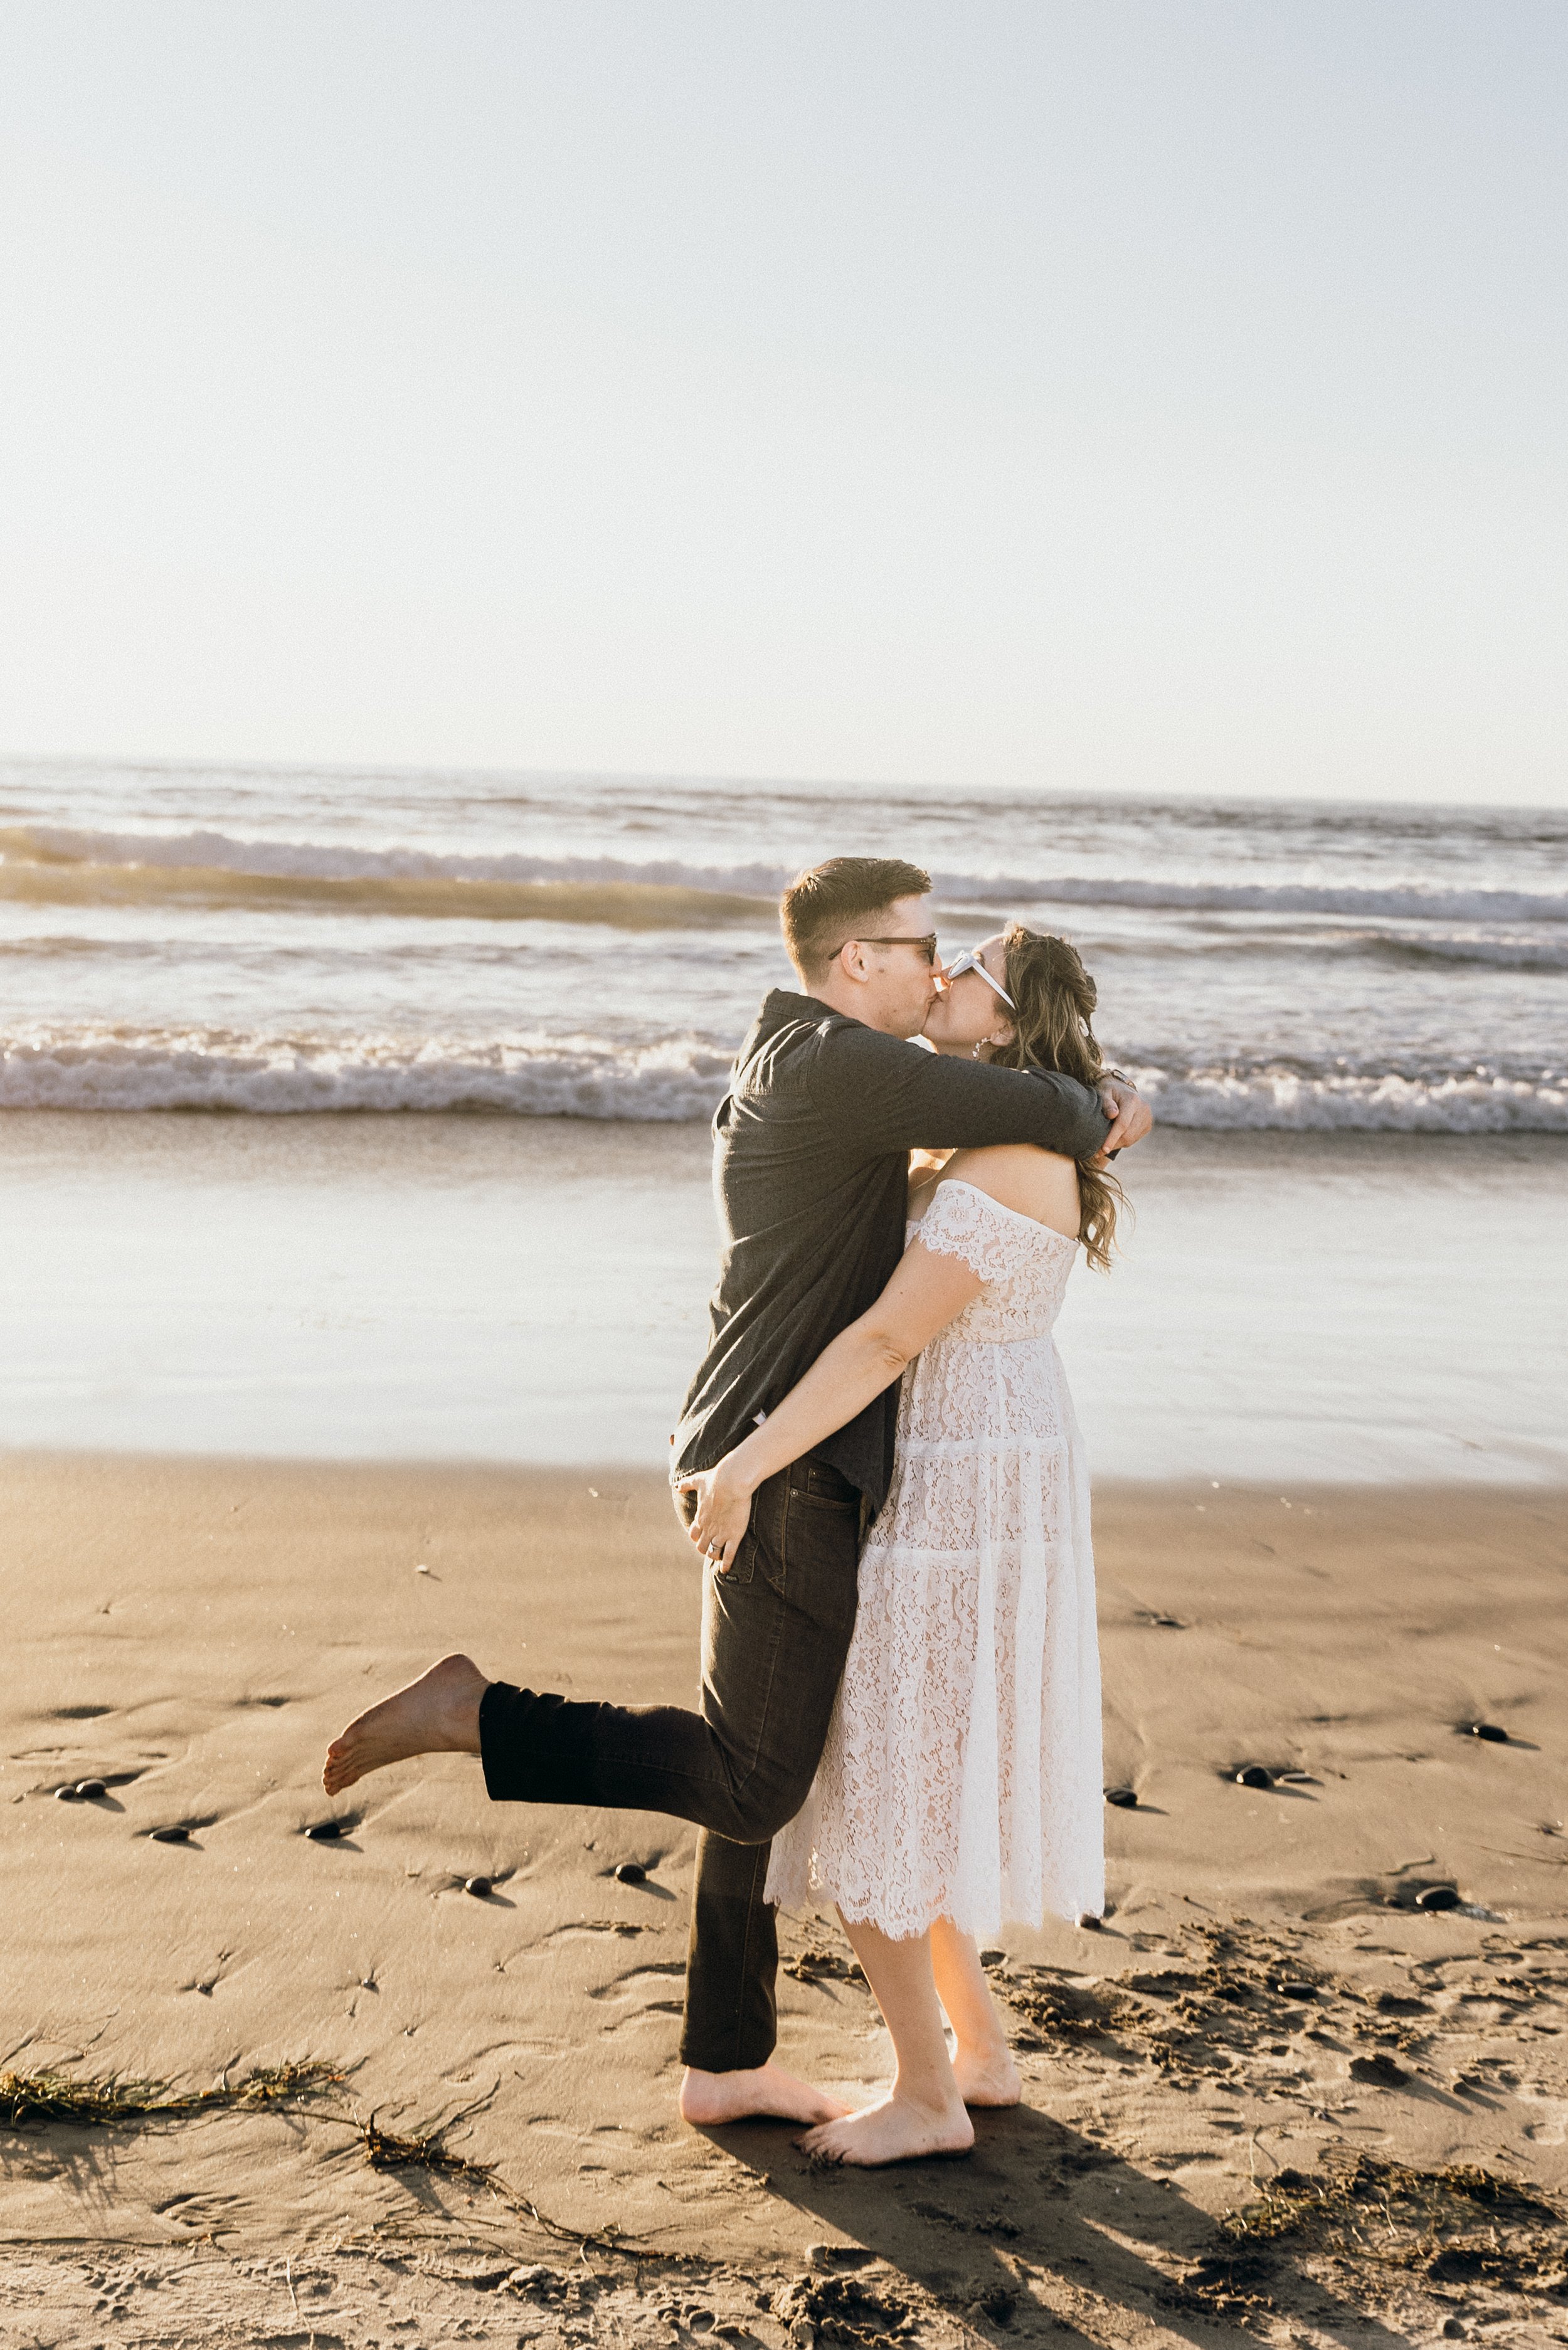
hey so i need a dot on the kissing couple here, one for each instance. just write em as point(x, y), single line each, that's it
point(877, 1462)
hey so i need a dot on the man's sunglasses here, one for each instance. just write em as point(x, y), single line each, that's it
point(928, 945)
point(971, 961)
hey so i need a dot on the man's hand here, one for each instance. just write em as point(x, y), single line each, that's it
point(1131, 1117)
point(716, 1507)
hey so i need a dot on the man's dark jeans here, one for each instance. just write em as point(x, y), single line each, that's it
point(776, 1628)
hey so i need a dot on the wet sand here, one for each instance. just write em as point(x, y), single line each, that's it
point(1360, 1307)
point(1265, 2004)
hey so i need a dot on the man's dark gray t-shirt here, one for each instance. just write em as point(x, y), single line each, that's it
point(810, 1166)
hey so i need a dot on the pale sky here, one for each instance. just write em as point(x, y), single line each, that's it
point(1155, 395)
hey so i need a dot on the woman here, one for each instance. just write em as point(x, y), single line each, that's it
point(960, 1783)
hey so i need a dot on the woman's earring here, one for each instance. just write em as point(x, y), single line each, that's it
point(975, 1049)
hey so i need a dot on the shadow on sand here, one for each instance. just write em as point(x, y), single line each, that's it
point(1043, 2235)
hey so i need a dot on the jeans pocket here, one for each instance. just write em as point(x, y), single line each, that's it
point(743, 1565)
point(815, 1567)
point(815, 1486)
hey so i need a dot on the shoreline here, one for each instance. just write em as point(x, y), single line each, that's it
point(38, 1129)
point(392, 1286)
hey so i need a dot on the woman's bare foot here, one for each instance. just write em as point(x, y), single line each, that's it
point(894, 2130)
point(709, 2097)
point(437, 1714)
point(988, 2079)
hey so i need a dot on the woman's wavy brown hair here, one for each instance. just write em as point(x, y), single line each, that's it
point(1053, 1028)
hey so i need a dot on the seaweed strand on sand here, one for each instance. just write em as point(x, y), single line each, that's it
point(1460, 2224)
point(48, 2096)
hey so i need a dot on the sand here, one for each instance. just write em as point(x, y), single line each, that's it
point(1263, 2003)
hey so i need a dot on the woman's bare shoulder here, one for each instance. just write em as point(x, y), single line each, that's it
point(1034, 1182)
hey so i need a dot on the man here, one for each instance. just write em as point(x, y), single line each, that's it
point(811, 1145)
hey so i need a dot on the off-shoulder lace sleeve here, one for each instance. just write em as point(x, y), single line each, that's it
point(965, 1222)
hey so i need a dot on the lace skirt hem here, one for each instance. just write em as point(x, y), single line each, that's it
point(982, 1923)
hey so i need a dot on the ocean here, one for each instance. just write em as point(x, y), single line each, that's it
point(1348, 1236)
point(273, 940)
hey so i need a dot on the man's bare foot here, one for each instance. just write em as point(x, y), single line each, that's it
point(437, 1714)
point(894, 2130)
point(988, 2080)
point(767, 2089)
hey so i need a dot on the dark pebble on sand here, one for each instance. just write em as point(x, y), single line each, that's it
point(478, 1886)
point(325, 1831)
point(1438, 1897)
point(1124, 1798)
point(65, 1795)
point(998, 2304)
point(1254, 1776)
point(631, 1872)
point(992, 1957)
point(90, 1790)
point(1489, 1731)
point(1381, 2071)
point(171, 1835)
point(1090, 1925)
point(1294, 1990)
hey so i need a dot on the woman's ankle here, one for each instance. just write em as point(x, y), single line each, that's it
point(981, 2048)
point(937, 2098)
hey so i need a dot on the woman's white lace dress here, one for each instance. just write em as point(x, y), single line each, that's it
point(962, 1776)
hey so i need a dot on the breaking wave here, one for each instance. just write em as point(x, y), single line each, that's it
point(1397, 904)
point(1293, 1100)
point(1500, 954)
point(681, 1079)
point(627, 905)
point(675, 1081)
point(306, 860)
point(60, 865)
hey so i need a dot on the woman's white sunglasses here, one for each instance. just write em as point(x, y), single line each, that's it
point(971, 961)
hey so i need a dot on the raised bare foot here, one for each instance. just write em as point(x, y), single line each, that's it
point(767, 2089)
point(987, 2080)
point(894, 2130)
point(437, 1714)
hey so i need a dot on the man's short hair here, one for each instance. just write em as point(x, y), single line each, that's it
point(827, 904)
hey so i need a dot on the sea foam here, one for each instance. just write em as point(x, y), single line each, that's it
point(683, 1078)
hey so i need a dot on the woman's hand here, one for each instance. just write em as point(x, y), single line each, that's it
point(720, 1509)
